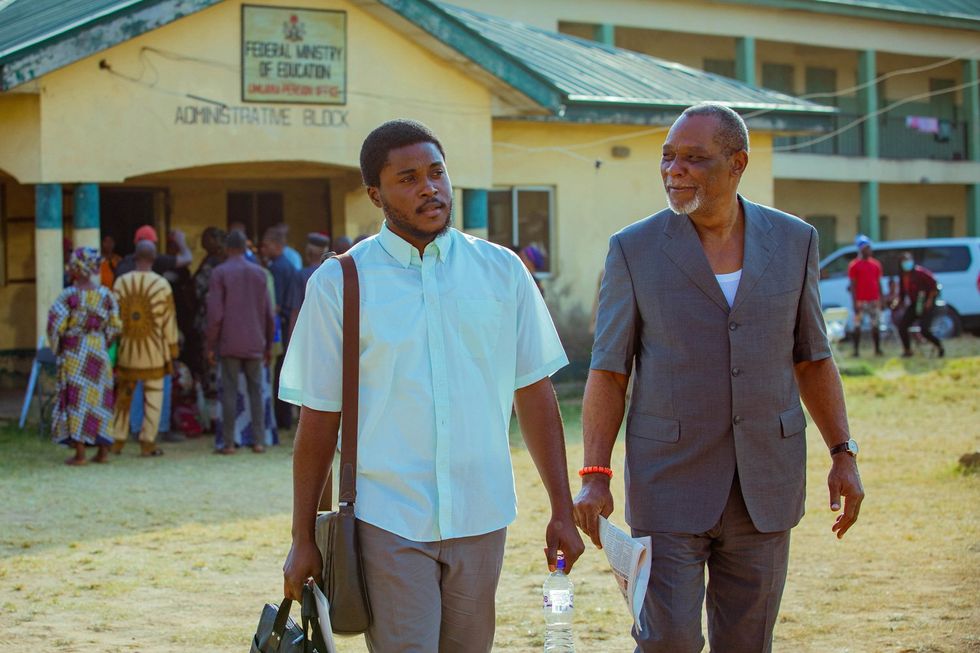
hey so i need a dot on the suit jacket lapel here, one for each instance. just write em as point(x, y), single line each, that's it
point(683, 247)
point(759, 249)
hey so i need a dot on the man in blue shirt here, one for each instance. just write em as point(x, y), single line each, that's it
point(453, 334)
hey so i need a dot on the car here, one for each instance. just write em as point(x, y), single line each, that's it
point(954, 261)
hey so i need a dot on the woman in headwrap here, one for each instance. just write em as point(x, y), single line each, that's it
point(82, 323)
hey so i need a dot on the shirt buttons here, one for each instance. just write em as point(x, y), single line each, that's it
point(732, 326)
point(737, 420)
point(736, 371)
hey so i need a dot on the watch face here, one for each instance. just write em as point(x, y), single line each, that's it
point(852, 447)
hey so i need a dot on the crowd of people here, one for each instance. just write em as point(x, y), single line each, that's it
point(144, 350)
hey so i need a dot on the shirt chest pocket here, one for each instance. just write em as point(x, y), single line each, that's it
point(479, 326)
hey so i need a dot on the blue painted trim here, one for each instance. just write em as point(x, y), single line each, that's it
point(48, 206)
point(476, 212)
point(86, 206)
point(64, 48)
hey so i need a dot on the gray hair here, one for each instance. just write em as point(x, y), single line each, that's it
point(732, 133)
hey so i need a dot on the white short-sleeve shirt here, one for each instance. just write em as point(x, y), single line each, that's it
point(445, 341)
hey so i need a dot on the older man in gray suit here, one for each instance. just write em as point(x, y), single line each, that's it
point(715, 305)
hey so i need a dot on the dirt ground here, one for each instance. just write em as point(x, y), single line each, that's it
point(179, 553)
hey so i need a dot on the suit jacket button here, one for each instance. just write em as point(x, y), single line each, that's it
point(736, 371)
point(737, 420)
point(732, 326)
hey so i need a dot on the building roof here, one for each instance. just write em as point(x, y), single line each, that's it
point(24, 22)
point(957, 14)
point(38, 36)
point(602, 81)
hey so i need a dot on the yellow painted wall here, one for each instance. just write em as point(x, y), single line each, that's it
point(591, 204)
point(905, 206)
point(20, 135)
point(130, 129)
point(809, 198)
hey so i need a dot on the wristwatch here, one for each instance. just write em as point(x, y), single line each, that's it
point(850, 448)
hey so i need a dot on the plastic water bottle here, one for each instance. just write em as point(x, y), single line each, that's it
point(559, 605)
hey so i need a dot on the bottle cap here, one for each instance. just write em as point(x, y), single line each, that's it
point(561, 561)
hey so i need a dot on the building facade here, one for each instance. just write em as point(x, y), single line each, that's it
point(195, 113)
point(902, 159)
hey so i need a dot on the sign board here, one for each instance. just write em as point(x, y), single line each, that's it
point(293, 55)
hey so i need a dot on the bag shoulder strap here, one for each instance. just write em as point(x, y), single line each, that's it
point(351, 379)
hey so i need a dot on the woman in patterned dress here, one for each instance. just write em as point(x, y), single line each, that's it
point(82, 323)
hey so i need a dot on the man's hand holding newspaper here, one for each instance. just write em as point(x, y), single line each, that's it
point(629, 559)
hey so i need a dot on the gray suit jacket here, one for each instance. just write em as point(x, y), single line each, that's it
point(714, 389)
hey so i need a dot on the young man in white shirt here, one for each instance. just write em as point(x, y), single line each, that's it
point(453, 333)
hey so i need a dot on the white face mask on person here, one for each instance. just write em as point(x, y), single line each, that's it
point(908, 265)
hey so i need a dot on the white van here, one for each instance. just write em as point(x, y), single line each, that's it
point(954, 261)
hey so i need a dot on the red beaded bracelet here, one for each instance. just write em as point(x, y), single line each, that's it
point(596, 469)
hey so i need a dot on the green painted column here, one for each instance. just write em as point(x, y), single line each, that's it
point(49, 263)
point(870, 210)
point(606, 34)
point(745, 60)
point(973, 210)
point(971, 109)
point(86, 219)
point(868, 102)
point(475, 212)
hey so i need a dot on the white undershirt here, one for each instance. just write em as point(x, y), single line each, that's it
point(729, 285)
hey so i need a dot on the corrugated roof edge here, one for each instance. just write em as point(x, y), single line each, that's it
point(64, 29)
point(870, 11)
point(84, 38)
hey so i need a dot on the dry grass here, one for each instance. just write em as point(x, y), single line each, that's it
point(178, 553)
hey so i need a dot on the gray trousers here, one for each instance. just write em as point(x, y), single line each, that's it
point(746, 575)
point(230, 369)
point(431, 596)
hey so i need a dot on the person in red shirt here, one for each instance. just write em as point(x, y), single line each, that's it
point(865, 274)
point(917, 292)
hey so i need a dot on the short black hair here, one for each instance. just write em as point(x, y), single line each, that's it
point(733, 135)
point(235, 240)
point(391, 136)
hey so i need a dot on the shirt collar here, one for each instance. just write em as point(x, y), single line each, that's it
point(401, 250)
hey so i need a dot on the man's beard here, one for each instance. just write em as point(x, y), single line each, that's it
point(688, 207)
point(405, 226)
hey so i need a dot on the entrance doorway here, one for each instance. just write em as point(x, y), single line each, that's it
point(123, 211)
point(257, 211)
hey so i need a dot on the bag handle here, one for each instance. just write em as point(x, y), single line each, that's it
point(351, 379)
point(279, 625)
